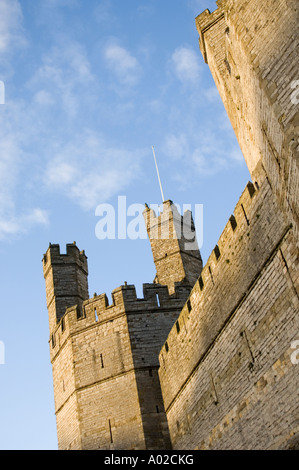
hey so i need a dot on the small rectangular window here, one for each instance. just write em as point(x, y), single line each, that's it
point(177, 326)
point(201, 284)
point(189, 305)
point(96, 315)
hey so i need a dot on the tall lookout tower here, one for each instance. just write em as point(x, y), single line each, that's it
point(105, 357)
point(174, 246)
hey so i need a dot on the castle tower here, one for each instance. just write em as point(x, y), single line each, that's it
point(174, 246)
point(66, 280)
point(255, 68)
point(105, 357)
point(228, 378)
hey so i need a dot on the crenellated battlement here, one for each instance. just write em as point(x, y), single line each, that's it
point(246, 244)
point(204, 22)
point(97, 310)
point(72, 255)
point(159, 226)
point(233, 238)
point(174, 245)
point(66, 280)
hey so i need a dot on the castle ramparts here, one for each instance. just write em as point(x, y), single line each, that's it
point(237, 321)
point(108, 354)
point(204, 359)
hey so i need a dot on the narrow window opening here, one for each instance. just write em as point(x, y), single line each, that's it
point(96, 315)
point(201, 284)
point(247, 221)
point(178, 329)
point(215, 396)
point(227, 65)
point(102, 362)
point(79, 313)
point(63, 387)
point(62, 325)
point(53, 341)
point(166, 347)
point(157, 408)
point(158, 300)
point(211, 274)
point(110, 431)
point(244, 335)
point(189, 305)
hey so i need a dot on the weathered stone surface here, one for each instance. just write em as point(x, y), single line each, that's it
point(105, 357)
point(227, 378)
point(219, 374)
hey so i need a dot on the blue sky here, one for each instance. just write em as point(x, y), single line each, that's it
point(90, 86)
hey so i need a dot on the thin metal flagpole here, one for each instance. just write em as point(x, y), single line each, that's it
point(158, 175)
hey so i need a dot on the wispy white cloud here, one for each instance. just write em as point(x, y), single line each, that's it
point(186, 66)
point(104, 15)
point(201, 152)
point(53, 133)
point(12, 221)
point(82, 167)
point(10, 156)
point(176, 146)
point(62, 78)
point(11, 29)
point(15, 225)
point(122, 63)
point(88, 171)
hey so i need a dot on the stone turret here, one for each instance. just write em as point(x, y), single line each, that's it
point(174, 246)
point(66, 280)
point(105, 357)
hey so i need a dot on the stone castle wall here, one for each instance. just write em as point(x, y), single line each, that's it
point(252, 51)
point(105, 357)
point(226, 374)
